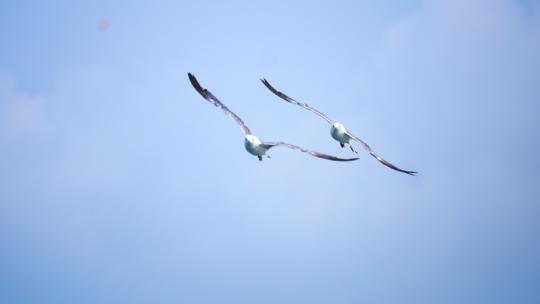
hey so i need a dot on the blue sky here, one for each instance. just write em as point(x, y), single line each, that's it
point(120, 184)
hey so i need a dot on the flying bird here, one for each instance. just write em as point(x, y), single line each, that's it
point(253, 144)
point(338, 131)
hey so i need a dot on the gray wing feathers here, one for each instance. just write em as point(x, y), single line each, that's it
point(212, 99)
point(313, 153)
point(290, 100)
point(380, 159)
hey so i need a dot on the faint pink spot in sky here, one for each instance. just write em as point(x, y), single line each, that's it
point(103, 24)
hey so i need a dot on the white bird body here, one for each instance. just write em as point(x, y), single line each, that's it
point(339, 133)
point(255, 146)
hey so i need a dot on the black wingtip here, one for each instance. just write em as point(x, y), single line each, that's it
point(195, 83)
point(343, 159)
point(268, 85)
point(413, 173)
point(274, 90)
point(193, 80)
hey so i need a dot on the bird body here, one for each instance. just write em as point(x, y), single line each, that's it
point(339, 133)
point(255, 146)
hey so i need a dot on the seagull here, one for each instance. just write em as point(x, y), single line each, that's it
point(253, 144)
point(338, 131)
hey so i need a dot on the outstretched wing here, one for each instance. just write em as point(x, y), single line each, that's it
point(313, 153)
point(380, 159)
point(290, 100)
point(212, 99)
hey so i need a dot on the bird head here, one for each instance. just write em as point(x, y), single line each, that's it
point(339, 127)
point(253, 139)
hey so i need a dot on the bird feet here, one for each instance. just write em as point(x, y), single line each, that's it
point(342, 145)
point(259, 157)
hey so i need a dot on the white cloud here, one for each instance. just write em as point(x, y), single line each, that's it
point(463, 35)
point(467, 73)
point(22, 116)
point(64, 143)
